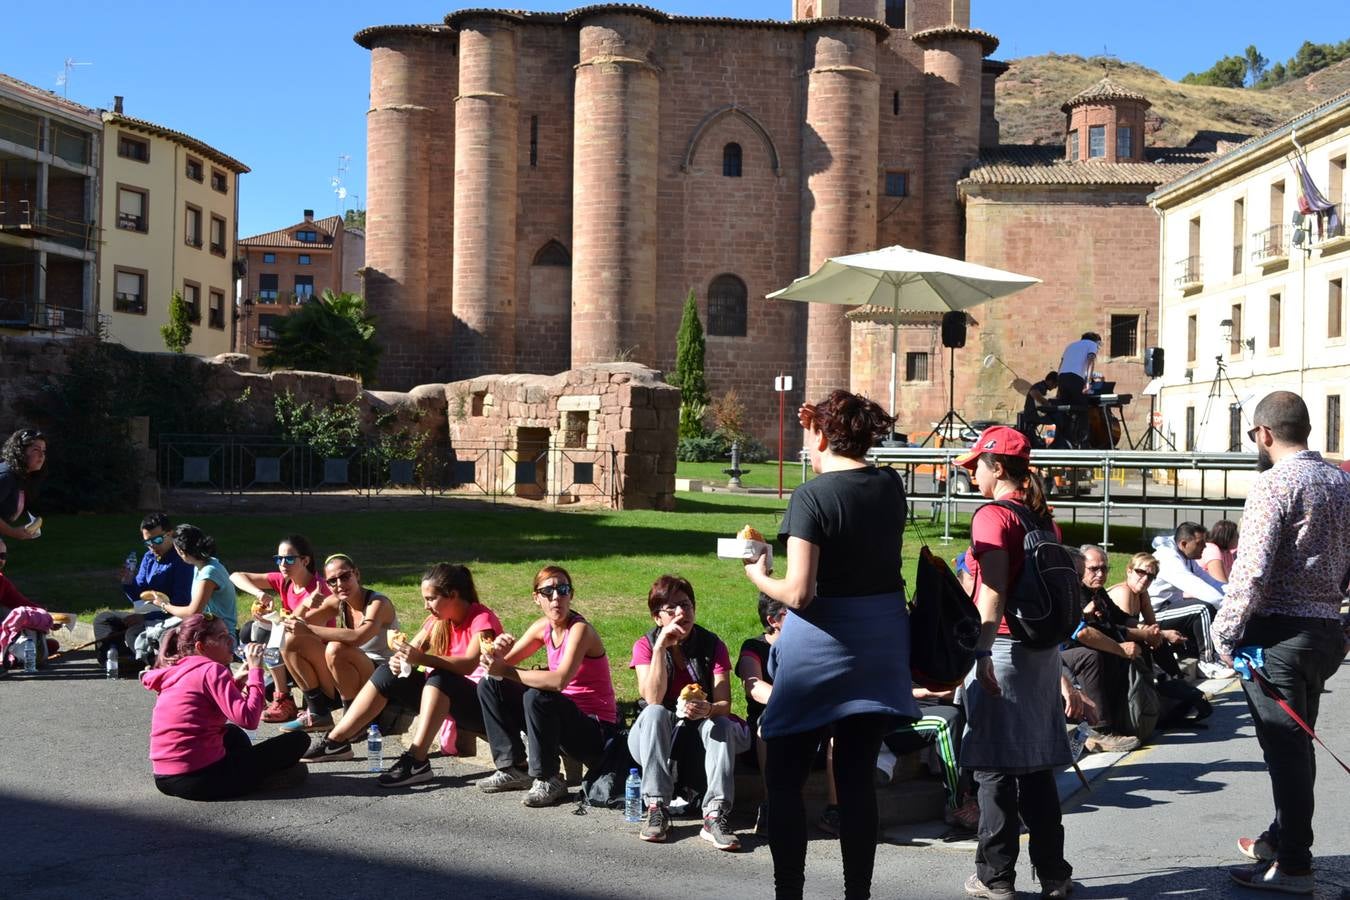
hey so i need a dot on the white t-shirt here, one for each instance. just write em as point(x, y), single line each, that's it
point(1075, 359)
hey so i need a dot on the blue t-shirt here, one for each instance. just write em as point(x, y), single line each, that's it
point(173, 577)
point(224, 601)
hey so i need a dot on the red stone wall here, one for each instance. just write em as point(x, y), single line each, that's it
point(953, 83)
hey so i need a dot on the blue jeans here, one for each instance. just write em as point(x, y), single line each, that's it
point(1301, 654)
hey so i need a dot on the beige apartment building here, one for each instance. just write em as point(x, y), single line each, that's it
point(1253, 290)
point(49, 212)
point(172, 206)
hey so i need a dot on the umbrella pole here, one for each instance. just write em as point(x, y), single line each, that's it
point(895, 329)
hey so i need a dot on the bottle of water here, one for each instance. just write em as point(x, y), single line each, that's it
point(133, 562)
point(374, 749)
point(632, 797)
point(272, 655)
point(112, 665)
point(29, 653)
point(1078, 740)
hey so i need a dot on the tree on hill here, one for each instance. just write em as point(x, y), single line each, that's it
point(355, 218)
point(1308, 59)
point(1230, 72)
point(332, 334)
point(1256, 64)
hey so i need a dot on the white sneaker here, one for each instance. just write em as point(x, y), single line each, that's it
point(1216, 670)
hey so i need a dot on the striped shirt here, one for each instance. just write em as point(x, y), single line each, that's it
point(1294, 554)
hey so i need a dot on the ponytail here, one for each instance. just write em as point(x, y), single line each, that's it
point(1017, 469)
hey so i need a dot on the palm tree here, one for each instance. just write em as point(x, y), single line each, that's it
point(333, 333)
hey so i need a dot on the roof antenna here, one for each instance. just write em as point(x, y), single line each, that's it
point(63, 77)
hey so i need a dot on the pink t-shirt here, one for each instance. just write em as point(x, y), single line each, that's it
point(292, 596)
point(480, 619)
point(591, 688)
point(642, 656)
point(1213, 552)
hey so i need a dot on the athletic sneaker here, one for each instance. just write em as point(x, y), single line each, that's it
point(977, 888)
point(308, 721)
point(1215, 670)
point(405, 772)
point(717, 832)
point(657, 824)
point(966, 816)
point(1100, 742)
point(281, 709)
point(324, 750)
point(1265, 876)
point(512, 779)
point(762, 820)
point(1057, 888)
point(545, 792)
point(1258, 849)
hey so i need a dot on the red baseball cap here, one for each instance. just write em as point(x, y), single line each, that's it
point(998, 439)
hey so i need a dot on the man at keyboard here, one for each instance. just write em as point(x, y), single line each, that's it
point(1075, 372)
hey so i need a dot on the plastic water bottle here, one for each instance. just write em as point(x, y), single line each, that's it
point(132, 563)
point(112, 664)
point(1078, 740)
point(632, 797)
point(374, 749)
point(272, 656)
point(29, 653)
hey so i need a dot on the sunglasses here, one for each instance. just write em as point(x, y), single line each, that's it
point(155, 541)
point(549, 590)
point(336, 579)
point(31, 434)
point(1097, 568)
point(1145, 573)
point(285, 560)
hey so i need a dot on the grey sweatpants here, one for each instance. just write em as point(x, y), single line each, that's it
point(651, 741)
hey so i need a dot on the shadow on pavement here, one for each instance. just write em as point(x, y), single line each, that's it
point(1206, 881)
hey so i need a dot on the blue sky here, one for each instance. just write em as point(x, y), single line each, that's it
point(281, 86)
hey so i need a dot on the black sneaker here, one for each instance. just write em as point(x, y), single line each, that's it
point(324, 750)
point(405, 772)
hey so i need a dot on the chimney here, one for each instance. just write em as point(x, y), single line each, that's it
point(117, 104)
point(309, 215)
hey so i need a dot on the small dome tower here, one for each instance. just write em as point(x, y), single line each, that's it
point(1105, 123)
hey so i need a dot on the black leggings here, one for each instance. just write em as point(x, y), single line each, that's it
point(787, 764)
point(242, 769)
point(406, 692)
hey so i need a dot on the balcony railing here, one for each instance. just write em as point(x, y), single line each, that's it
point(26, 219)
point(1270, 244)
point(129, 303)
point(35, 314)
point(1188, 272)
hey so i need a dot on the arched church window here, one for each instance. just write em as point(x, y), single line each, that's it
point(731, 160)
point(552, 254)
point(726, 306)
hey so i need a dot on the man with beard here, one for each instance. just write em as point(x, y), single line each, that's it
point(1285, 597)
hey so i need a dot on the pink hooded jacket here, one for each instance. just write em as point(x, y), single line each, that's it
point(197, 697)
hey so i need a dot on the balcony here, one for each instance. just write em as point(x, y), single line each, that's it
point(24, 219)
point(37, 315)
point(1271, 247)
point(1188, 279)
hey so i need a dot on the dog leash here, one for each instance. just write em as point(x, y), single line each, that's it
point(1249, 662)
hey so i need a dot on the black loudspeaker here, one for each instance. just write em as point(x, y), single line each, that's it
point(954, 330)
point(1153, 362)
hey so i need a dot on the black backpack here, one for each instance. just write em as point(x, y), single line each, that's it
point(944, 626)
point(1044, 606)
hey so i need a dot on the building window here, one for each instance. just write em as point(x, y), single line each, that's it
point(192, 226)
point(192, 296)
point(267, 288)
point(534, 142)
point(269, 257)
point(1234, 427)
point(306, 237)
point(731, 160)
point(1124, 141)
point(1336, 186)
point(1190, 429)
point(129, 147)
point(1235, 336)
point(267, 328)
point(1239, 232)
point(1334, 423)
point(726, 306)
point(129, 291)
point(916, 366)
point(1073, 145)
point(220, 181)
point(895, 13)
point(304, 288)
point(1273, 330)
point(303, 259)
point(217, 235)
point(552, 254)
point(194, 170)
point(895, 103)
point(1277, 206)
point(897, 184)
point(1335, 308)
point(133, 206)
point(1125, 335)
point(216, 312)
point(1192, 334)
point(1096, 141)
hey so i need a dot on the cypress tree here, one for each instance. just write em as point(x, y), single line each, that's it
point(689, 348)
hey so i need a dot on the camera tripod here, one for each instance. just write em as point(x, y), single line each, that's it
point(1216, 386)
point(1153, 438)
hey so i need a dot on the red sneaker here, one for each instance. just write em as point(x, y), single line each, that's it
point(281, 709)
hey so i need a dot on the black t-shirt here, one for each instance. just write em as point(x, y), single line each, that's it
point(857, 518)
point(1030, 409)
point(10, 489)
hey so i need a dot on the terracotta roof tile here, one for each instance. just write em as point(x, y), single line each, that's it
point(187, 140)
point(988, 42)
point(283, 237)
point(1104, 90)
point(43, 95)
point(1045, 164)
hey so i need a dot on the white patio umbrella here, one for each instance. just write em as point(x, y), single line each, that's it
point(903, 281)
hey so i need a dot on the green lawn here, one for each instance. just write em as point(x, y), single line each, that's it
point(761, 475)
point(613, 558)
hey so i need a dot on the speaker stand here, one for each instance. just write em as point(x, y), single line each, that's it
point(951, 417)
point(1146, 439)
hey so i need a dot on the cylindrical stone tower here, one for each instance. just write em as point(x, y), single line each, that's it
point(408, 98)
point(614, 172)
point(839, 177)
point(486, 124)
point(953, 82)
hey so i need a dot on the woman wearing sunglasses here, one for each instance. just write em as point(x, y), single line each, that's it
point(1132, 599)
point(351, 650)
point(568, 707)
point(197, 749)
point(303, 593)
point(212, 590)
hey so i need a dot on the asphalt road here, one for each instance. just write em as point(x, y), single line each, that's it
point(81, 817)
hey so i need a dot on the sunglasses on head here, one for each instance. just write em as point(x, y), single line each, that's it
point(155, 541)
point(338, 578)
point(31, 434)
point(549, 590)
point(285, 560)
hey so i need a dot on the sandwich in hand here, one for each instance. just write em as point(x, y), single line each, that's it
point(393, 638)
point(693, 692)
point(750, 533)
point(158, 598)
point(486, 645)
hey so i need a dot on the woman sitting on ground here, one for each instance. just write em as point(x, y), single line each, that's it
point(303, 593)
point(752, 667)
point(568, 707)
point(1220, 549)
point(445, 653)
point(212, 590)
point(350, 651)
point(1135, 610)
point(196, 746)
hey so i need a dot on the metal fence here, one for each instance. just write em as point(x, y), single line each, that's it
point(230, 464)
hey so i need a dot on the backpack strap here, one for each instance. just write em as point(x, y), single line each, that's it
point(1030, 522)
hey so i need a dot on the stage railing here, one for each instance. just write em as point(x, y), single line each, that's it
point(1090, 482)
